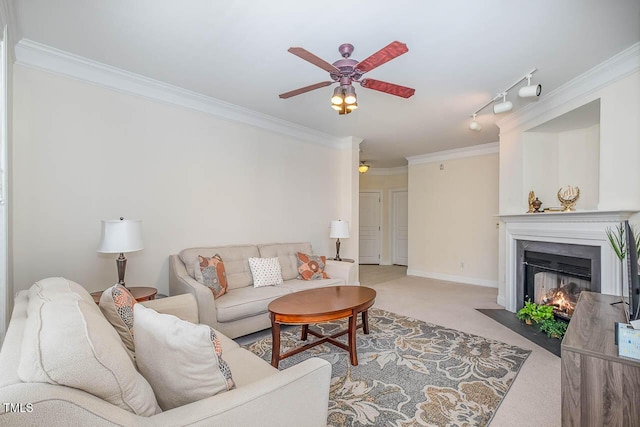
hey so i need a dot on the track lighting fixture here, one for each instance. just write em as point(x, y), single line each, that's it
point(530, 91)
point(504, 106)
point(474, 125)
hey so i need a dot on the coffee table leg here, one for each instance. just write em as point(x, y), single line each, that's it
point(365, 322)
point(305, 330)
point(352, 339)
point(275, 338)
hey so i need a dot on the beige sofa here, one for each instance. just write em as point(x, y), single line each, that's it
point(243, 309)
point(263, 395)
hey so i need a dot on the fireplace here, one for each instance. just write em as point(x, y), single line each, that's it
point(555, 274)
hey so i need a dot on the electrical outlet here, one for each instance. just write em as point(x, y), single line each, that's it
point(441, 166)
point(462, 265)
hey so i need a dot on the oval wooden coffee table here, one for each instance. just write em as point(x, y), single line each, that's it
point(317, 306)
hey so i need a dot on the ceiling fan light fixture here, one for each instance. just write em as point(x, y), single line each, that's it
point(350, 95)
point(352, 107)
point(337, 98)
point(336, 107)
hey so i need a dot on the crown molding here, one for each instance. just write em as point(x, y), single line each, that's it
point(457, 153)
point(36, 55)
point(617, 67)
point(9, 18)
point(400, 170)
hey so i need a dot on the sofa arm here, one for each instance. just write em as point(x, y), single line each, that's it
point(342, 270)
point(296, 396)
point(181, 283)
point(182, 306)
point(54, 405)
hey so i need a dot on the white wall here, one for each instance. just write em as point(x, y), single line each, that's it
point(452, 228)
point(384, 183)
point(83, 153)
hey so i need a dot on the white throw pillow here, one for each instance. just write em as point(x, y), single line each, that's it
point(265, 271)
point(181, 360)
point(67, 341)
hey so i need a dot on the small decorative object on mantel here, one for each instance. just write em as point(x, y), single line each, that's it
point(532, 197)
point(568, 196)
point(536, 206)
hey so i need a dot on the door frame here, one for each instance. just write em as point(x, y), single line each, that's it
point(392, 233)
point(380, 222)
point(5, 299)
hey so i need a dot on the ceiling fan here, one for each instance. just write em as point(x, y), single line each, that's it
point(346, 71)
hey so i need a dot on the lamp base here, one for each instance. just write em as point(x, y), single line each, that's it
point(121, 263)
point(338, 250)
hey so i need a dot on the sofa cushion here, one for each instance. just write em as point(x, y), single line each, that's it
point(296, 285)
point(311, 267)
point(235, 258)
point(286, 254)
point(182, 361)
point(265, 271)
point(247, 302)
point(210, 272)
point(116, 303)
point(67, 341)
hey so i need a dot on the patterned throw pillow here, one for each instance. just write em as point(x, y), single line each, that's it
point(116, 303)
point(181, 360)
point(311, 267)
point(210, 272)
point(265, 272)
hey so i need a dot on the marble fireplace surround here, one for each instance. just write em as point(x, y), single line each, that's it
point(579, 228)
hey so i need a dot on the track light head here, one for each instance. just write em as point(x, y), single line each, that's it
point(504, 106)
point(530, 91)
point(474, 125)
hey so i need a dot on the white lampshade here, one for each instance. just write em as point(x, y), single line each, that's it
point(339, 229)
point(121, 235)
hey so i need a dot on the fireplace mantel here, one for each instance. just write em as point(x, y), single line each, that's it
point(573, 216)
point(578, 227)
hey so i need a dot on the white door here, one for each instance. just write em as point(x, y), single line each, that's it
point(400, 227)
point(370, 228)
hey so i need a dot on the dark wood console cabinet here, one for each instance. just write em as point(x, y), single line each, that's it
point(599, 388)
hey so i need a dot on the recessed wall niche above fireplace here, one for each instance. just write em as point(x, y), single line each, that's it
point(554, 274)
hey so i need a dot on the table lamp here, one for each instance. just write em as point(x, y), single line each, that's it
point(120, 236)
point(339, 229)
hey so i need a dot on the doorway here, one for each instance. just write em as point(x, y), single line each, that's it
point(370, 216)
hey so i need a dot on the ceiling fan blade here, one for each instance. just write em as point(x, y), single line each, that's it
point(304, 89)
point(384, 55)
point(310, 57)
point(390, 88)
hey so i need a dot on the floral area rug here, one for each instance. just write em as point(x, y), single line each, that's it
point(409, 373)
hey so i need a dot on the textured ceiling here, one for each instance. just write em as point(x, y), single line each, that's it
point(461, 54)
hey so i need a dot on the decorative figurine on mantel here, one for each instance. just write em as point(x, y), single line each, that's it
point(568, 196)
point(534, 203)
point(532, 197)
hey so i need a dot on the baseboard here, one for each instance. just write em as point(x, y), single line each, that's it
point(452, 278)
point(500, 300)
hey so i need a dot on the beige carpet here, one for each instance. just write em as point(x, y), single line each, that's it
point(534, 397)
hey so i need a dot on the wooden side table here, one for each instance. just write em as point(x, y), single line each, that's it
point(140, 293)
point(343, 259)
